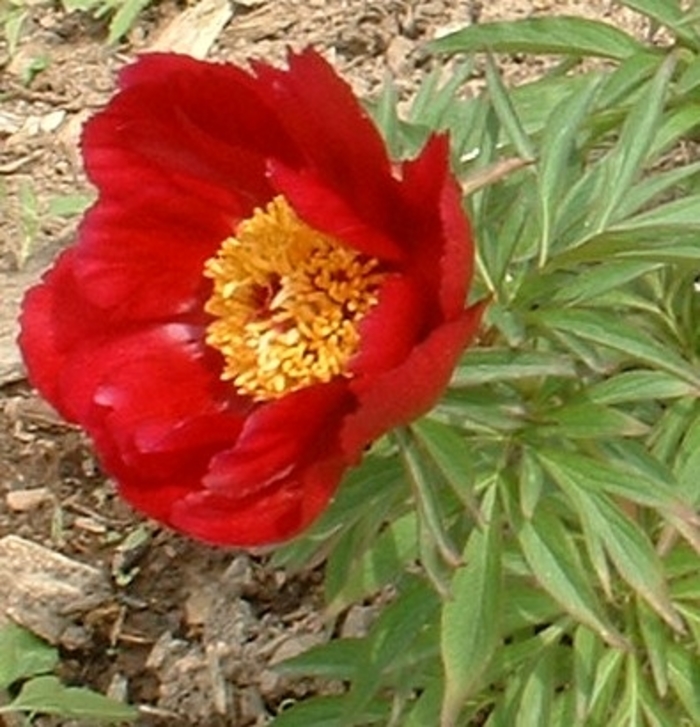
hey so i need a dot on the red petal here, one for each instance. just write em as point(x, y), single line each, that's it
point(443, 248)
point(146, 260)
point(278, 477)
point(202, 126)
point(390, 329)
point(268, 517)
point(406, 392)
point(54, 319)
point(280, 437)
point(342, 150)
point(324, 209)
point(156, 413)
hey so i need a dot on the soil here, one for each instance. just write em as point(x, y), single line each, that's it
point(188, 633)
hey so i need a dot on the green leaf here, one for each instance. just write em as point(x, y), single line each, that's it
point(507, 115)
point(630, 551)
point(69, 205)
point(573, 472)
point(556, 165)
point(526, 606)
point(47, 695)
point(386, 116)
point(655, 712)
point(337, 659)
point(124, 18)
point(426, 710)
point(632, 386)
point(391, 638)
point(430, 507)
point(588, 650)
point(668, 13)
point(452, 455)
point(538, 693)
point(531, 481)
point(586, 420)
point(552, 35)
point(656, 641)
point(329, 712)
point(375, 486)
point(22, 655)
point(676, 216)
point(607, 329)
point(684, 677)
point(655, 185)
point(483, 366)
point(606, 687)
point(555, 562)
point(381, 564)
point(433, 102)
point(471, 619)
point(624, 163)
point(628, 712)
point(588, 284)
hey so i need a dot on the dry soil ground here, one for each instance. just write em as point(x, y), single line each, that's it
point(186, 631)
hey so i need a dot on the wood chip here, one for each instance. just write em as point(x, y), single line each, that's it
point(27, 500)
point(194, 31)
point(45, 591)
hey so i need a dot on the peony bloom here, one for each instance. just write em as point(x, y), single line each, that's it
point(258, 293)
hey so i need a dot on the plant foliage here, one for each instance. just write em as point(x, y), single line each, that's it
point(25, 665)
point(537, 534)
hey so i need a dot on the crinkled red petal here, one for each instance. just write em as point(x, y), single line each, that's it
point(279, 438)
point(432, 192)
point(144, 259)
point(399, 395)
point(268, 517)
point(55, 319)
point(279, 476)
point(338, 141)
point(390, 329)
point(322, 208)
point(205, 128)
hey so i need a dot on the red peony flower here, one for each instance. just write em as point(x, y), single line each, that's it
point(257, 294)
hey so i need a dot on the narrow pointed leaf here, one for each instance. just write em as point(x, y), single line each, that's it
point(561, 35)
point(573, 470)
point(668, 13)
point(609, 330)
point(606, 687)
point(684, 677)
point(46, 694)
point(556, 165)
point(482, 366)
point(586, 420)
point(625, 161)
point(555, 562)
point(506, 112)
point(452, 455)
point(631, 552)
point(471, 620)
point(639, 386)
point(588, 650)
point(537, 697)
point(328, 712)
point(429, 504)
point(655, 637)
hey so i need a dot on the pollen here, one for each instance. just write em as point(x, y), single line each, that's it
point(287, 301)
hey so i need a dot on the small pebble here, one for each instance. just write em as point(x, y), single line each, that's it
point(26, 500)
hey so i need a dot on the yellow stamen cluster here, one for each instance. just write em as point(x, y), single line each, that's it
point(287, 301)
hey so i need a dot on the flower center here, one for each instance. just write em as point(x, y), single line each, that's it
point(287, 301)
